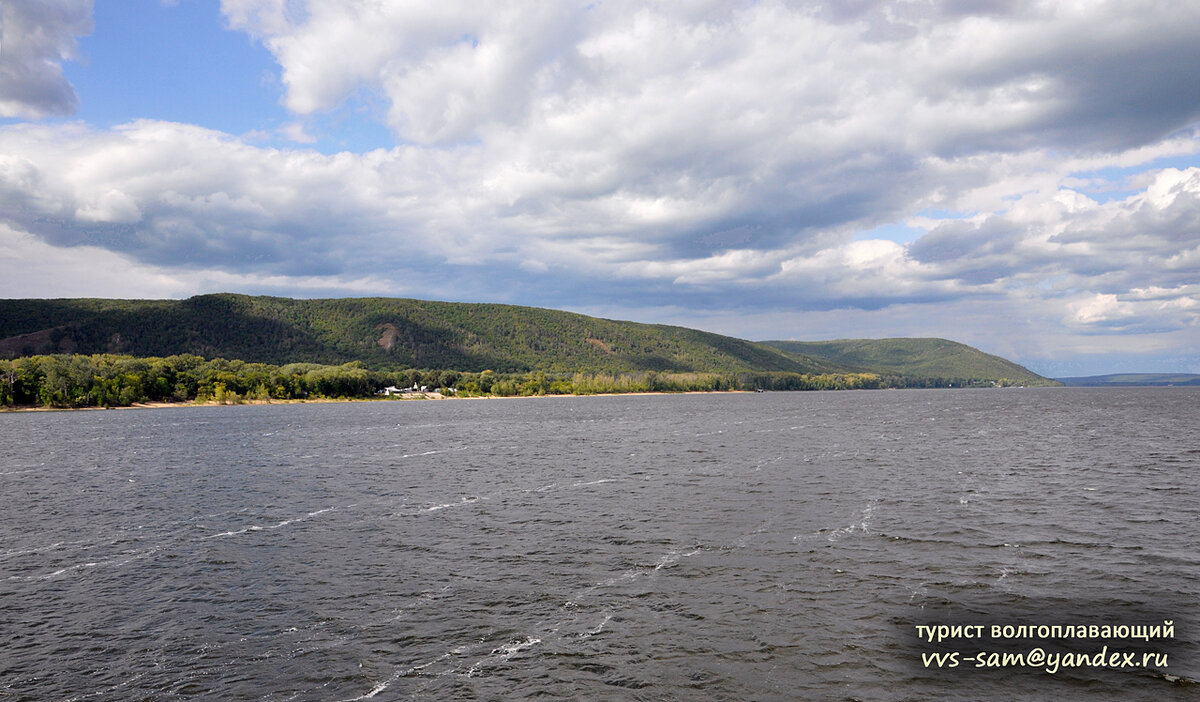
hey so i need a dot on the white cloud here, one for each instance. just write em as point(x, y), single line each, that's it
point(719, 71)
point(36, 37)
point(295, 132)
point(33, 268)
point(712, 156)
point(668, 123)
point(113, 206)
point(170, 194)
point(1100, 307)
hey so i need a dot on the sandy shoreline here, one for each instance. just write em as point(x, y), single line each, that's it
point(327, 400)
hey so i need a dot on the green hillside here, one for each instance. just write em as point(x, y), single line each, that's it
point(393, 333)
point(1125, 380)
point(382, 333)
point(914, 358)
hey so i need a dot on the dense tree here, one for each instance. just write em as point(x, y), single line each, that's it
point(105, 380)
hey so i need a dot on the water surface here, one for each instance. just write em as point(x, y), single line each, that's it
point(762, 546)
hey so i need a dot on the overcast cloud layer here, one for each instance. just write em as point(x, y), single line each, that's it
point(1019, 176)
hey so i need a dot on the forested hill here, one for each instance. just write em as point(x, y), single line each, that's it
point(382, 333)
point(1129, 380)
point(933, 358)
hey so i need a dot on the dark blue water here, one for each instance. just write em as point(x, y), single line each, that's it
point(762, 546)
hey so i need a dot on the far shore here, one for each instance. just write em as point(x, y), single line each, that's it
point(330, 400)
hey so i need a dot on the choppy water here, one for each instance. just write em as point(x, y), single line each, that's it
point(766, 546)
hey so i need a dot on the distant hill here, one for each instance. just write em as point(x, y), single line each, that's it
point(395, 333)
point(382, 333)
point(931, 358)
point(1134, 380)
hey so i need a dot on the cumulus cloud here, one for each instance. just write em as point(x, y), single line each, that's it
point(671, 123)
point(942, 77)
point(703, 156)
point(36, 36)
point(1148, 239)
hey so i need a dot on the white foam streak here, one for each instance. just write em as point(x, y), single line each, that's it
point(509, 649)
point(109, 690)
point(672, 558)
point(433, 452)
point(599, 627)
point(116, 562)
point(504, 652)
point(863, 526)
point(666, 561)
point(405, 672)
point(377, 689)
point(464, 501)
point(596, 482)
point(278, 525)
point(36, 549)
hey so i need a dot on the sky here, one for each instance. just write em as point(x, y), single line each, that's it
point(1020, 176)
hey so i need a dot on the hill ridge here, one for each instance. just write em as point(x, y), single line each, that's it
point(915, 357)
point(1112, 380)
point(388, 333)
point(385, 333)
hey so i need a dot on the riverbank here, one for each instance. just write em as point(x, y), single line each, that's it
point(214, 403)
point(330, 400)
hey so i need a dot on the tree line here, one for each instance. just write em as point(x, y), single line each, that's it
point(107, 380)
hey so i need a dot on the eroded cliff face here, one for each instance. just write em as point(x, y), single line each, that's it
point(390, 334)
